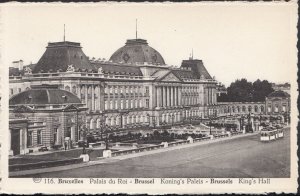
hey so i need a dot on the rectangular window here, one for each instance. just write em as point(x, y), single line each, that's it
point(55, 136)
point(147, 90)
point(122, 105)
point(29, 138)
point(116, 104)
point(147, 103)
point(39, 137)
point(19, 89)
point(105, 105)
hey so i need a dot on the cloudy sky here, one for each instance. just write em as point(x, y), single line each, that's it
point(236, 40)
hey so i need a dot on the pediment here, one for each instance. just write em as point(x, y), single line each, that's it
point(170, 77)
point(70, 108)
point(23, 109)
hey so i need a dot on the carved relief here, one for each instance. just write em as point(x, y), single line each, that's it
point(71, 68)
point(100, 70)
point(27, 71)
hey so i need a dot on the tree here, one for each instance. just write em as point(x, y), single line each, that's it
point(244, 91)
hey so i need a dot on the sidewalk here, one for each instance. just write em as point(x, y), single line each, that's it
point(123, 157)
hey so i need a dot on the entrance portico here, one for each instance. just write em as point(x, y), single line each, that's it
point(18, 137)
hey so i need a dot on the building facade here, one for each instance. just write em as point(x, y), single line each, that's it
point(135, 88)
point(278, 102)
point(44, 116)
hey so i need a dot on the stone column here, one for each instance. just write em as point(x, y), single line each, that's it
point(21, 141)
point(172, 96)
point(176, 95)
point(138, 97)
point(93, 97)
point(162, 96)
point(78, 90)
point(158, 96)
point(99, 95)
point(211, 95)
point(86, 95)
point(179, 96)
point(25, 141)
point(165, 96)
point(168, 96)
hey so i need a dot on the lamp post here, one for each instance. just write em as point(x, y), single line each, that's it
point(106, 138)
point(172, 116)
point(84, 130)
point(242, 122)
point(102, 125)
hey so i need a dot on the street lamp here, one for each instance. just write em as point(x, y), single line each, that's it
point(172, 116)
point(84, 130)
point(106, 138)
point(102, 125)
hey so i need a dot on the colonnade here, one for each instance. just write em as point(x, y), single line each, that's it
point(210, 97)
point(168, 96)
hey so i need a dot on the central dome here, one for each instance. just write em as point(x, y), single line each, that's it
point(137, 51)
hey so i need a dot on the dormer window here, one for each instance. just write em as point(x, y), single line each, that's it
point(65, 98)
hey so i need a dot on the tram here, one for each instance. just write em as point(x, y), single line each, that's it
point(271, 133)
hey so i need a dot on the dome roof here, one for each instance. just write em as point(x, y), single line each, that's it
point(44, 94)
point(60, 55)
point(279, 94)
point(137, 51)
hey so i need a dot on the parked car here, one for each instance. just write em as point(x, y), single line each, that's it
point(43, 148)
point(82, 143)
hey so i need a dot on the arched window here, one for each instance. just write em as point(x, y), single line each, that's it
point(249, 108)
point(74, 89)
point(82, 92)
point(244, 108)
point(67, 88)
point(92, 124)
point(98, 123)
point(262, 109)
point(114, 121)
point(276, 108)
point(256, 108)
point(89, 90)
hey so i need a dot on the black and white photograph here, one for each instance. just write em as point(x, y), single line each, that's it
point(145, 94)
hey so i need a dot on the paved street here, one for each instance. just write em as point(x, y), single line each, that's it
point(240, 157)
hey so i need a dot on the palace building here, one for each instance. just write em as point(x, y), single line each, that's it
point(134, 89)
